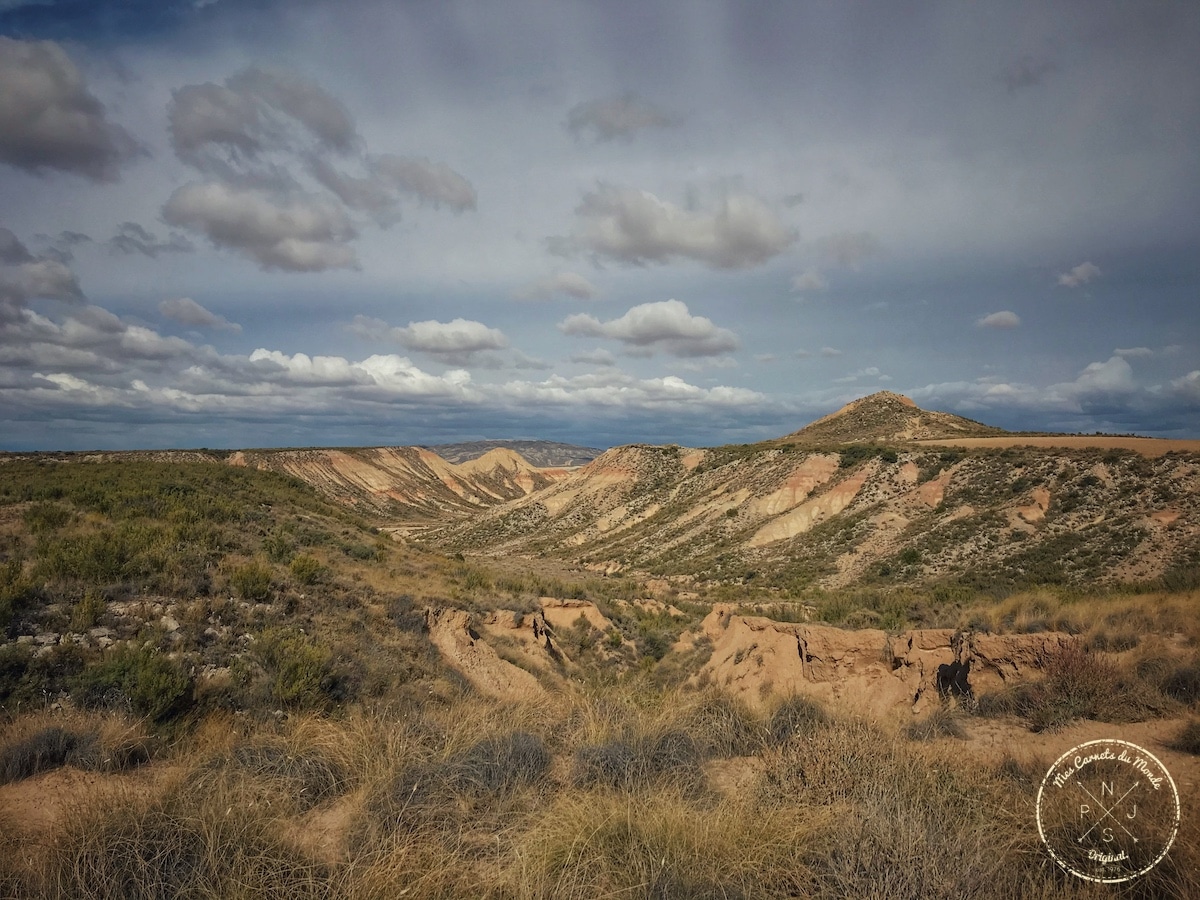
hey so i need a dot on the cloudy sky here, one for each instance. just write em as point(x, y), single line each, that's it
point(235, 223)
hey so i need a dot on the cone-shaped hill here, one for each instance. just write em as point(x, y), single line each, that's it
point(884, 417)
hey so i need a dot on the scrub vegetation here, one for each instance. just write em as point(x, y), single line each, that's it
point(214, 682)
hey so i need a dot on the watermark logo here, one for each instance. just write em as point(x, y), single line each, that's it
point(1108, 811)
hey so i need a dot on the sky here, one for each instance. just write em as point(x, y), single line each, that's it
point(263, 223)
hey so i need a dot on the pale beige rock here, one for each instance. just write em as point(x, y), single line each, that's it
point(450, 631)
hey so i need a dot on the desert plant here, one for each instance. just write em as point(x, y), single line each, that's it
point(1188, 739)
point(306, 569)
point(48, 748)
point(796, 715)
point(145, 681)
point(941, 721)
point(252, 582)
point(636, 763)
point(298, 666)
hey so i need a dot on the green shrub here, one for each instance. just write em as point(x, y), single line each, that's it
point(43, 517)
point(87, 611)
point(149, 683)
point(306, 569)
point(297, 665)
point(252, 582)
point(279, 547)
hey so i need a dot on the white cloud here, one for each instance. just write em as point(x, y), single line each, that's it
point(613, 389)
point(267, 142)
point(187, 311)
point(830, 352)
point(50, 120)
point(807, 281)
point(322, 114)
point(1112, 376)
point(615, 117)
point(457, 341)
point(1188, 386)
point(1080, 275)
point(570, 283)
point(1003, 319)
point(1147, 352)
point(632, 226)
point(24, 277)
point(665, 326)
point(869, 372)
point(300, 234)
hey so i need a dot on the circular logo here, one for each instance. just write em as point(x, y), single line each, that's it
point(1108, 811)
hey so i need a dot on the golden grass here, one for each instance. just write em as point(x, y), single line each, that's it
point(834, 807)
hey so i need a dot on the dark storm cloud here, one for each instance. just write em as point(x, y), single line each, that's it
point(133, 238)
point(300, 234)
point(62, 248)
point(610, 118)
point(631, 226)
point(254, 138)
point(1027, 72)
point(24, 277)
point(49, 120)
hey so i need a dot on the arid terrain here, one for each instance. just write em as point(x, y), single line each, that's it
point(834, 664)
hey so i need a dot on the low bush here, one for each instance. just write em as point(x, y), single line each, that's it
point(723, 726)
point(669, 757)
point(306, 569)
point(311, 777)
point(502, 763)
point(1183, 684)
point(93, 746)
point(1188, 739)
point(142, 680)
point(297, 665)
point(795, 716)
point(252, 582)
point(939, 722)
point(46, 749)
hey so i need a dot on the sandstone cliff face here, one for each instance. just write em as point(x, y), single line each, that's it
point(864, 670)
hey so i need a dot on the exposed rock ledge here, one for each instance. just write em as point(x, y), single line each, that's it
point(867, 670)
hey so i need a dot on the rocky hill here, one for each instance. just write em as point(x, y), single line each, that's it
point(408, 483)
point(887, 417)
point(871, 506)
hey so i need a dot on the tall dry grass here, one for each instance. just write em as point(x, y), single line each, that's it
point(477, 799)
